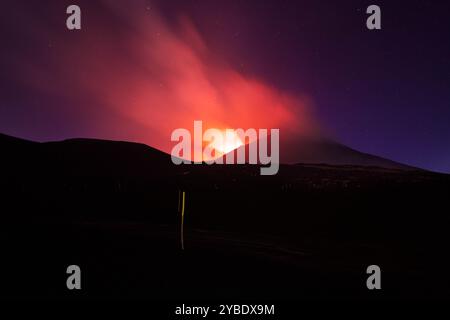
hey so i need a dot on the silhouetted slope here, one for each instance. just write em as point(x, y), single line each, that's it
point(81, 157)
point(309, 231)
point(320, 150)
point(127, 158)
point(326, 151)
point(101, 157)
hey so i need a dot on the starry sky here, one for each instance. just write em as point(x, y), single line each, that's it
point(139, 69)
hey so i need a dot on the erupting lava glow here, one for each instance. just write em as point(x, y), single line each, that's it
point(231, 143)
point(209, 146)
point(153, 76)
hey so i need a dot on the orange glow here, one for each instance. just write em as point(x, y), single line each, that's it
point(232, 142)
point(141, 83)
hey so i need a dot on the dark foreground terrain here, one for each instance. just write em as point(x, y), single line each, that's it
point(309, 232)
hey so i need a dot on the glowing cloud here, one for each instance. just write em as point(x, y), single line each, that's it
point(148, 77)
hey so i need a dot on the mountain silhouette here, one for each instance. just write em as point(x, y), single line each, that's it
point(327, 151)
point(83, 157)
point(128, 158)
point(309, 231)
point(322, 150)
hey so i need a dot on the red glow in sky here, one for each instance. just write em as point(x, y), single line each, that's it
point(141, 82)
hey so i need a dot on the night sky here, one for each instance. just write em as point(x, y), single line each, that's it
point(139, 69)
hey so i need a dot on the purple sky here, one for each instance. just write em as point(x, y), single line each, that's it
point(384, 92)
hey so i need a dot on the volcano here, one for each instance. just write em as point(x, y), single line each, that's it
point(308, 231)
point(299, 150)
point(322, 150)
